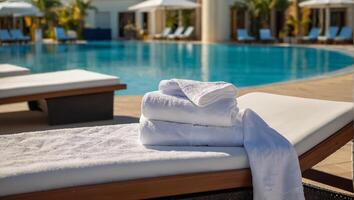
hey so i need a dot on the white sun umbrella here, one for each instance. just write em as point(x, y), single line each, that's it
point(326, 3)
point(18, 8)
point(164, 4)
point(151, 5)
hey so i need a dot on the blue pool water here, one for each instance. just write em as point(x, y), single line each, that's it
point(142, 65)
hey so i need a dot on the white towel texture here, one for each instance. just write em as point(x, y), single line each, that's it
point(159, 106)
point(193, 113)
point(273, 161)
point(200, 93)
point(162, 133)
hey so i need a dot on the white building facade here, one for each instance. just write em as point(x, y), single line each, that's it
point(213, 18)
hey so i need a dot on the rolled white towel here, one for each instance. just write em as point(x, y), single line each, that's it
point(159, 106)
point(200, 93)
point(161, 133)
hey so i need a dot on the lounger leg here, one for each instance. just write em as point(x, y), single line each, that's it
point(33, 106)
point(82, 108)
point(39, 105)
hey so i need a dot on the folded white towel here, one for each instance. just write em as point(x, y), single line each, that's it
point(162, 133)
point(200, 93)
point(159, 106)
point(273, 161)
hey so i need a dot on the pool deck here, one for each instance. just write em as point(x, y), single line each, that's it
point(16, 118)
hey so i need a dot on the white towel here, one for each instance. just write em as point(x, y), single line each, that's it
point(159, 106)
point(162, 133)
point(273, 160)
point(200, 93)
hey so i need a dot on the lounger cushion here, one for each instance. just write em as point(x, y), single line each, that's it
point(7, 70)
point(53, 82)
point(71, 157)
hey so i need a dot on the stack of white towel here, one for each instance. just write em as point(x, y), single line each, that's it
point(192, 113)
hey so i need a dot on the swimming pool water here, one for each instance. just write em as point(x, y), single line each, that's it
point(143, 64)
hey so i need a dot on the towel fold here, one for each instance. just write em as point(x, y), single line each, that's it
point(158, 106)
point(200, 93)
point(162, 133)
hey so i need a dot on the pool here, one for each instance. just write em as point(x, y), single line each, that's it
point(142, 64)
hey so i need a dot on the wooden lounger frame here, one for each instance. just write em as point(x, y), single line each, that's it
point(187, 183)
point(72, 106)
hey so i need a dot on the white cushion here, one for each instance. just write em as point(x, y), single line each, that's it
point(304, 122)
point(71, 157)
point(7, 70)
point(53, 82)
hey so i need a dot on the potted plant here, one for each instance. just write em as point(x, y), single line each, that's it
point(130, 31)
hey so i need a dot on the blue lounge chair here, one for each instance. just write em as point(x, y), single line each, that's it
point(266, 35)
point(242, 35)
point(330, 35)
point(164, 33)
point(5, 36)
point(346, 34)
point(313, 35)
point(62, 36)
point(177, 33)
point(187, 33)
point(17, 35)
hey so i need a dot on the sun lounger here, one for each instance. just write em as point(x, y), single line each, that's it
point(266, 35)
point(331, 34)
point(187, 33)
point(242, 36)
point(7, 70)
point(108, 162)
point(17, 35)
point(176, 34)
point(68, 96)
point(313, 35)
point(5, 36)
point(62, 36)
point(164, 34)
point(346, 34)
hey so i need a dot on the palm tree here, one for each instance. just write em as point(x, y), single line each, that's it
point(260, 10)
point(298, 19)
point(79, 10)
point(48, 8)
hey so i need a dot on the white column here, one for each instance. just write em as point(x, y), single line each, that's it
point(180, 19)
point(328, 18)
point(321, 13)
point(152, 22)
point(198, 21)
point(114, 25)
point(350, 16)
point(164, 19)
point(216, 20)
point(138, 20)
